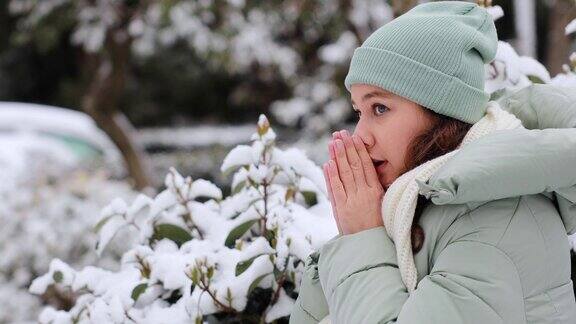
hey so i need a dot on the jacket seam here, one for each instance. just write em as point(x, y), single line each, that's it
point(510, 222)
point(456, 219)
point(550, 298)
point(515, 268)
point(552, 303)
point(543, 240)
point(497, 247)
point(306, 312)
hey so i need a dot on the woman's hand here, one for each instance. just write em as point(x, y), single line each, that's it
point(353, 186)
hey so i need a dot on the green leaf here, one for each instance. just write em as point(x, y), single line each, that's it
point(238, 187)
point(172, 232)
point(277, 274)
point(310, 197)
point(194, 275)
point(57, 276)
point(138, 290)
point(243, 265)
point(226, 172)
point(101, 223)
point(535, 79)
point(238, 231)
point(497, 94)
point(252, 183)
point(229, 295)
point(255, 283)
point(271, 236)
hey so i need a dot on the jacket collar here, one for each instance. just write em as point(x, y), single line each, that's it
point(540, 159)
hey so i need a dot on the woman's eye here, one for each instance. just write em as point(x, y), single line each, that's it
point(378, 110)
point(376, 106)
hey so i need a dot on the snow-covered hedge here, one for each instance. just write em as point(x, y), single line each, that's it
point(513, 71)
point(48, 213)
point(50, 197)
point(199, 255)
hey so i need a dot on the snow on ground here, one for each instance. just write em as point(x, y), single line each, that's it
point(195, 136)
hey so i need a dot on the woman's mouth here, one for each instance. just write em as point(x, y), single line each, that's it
point(379, 164)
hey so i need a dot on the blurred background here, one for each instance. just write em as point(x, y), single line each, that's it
point(99, 98)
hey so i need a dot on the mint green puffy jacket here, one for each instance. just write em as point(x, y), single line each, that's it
point(495, 224)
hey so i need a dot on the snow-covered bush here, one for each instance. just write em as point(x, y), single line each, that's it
point(49, 200)
point(50, 216)
point(513, 71)
point(568, 76)
point(510, 70)
point(200, 256)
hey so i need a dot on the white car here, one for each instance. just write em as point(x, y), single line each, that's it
point(67, 137)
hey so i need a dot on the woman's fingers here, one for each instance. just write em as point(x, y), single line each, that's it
point(338, 192)
point(343, 167)
point(353, 159)
point(332, 153)
point(328, 186)
point(369, 170)
point(331, 150)
point(331, 196)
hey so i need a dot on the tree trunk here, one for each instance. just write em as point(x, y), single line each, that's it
point(558, 48)
point(118, 128)
point(101, 103)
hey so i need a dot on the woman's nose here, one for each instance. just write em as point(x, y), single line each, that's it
point(365, 136)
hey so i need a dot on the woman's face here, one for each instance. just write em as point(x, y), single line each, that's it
point(387, 123)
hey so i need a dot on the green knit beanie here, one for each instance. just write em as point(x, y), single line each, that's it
point(434, 55)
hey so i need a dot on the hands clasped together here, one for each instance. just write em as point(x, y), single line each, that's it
point(353, 187)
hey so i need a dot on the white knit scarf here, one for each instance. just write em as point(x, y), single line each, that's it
point(399, 202)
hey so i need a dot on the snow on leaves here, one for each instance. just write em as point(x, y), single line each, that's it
point(195, 257)
point(513, 71)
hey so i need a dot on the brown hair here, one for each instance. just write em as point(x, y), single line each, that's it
point(444, 136)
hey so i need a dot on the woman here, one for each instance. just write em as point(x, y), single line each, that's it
point(465, 220)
